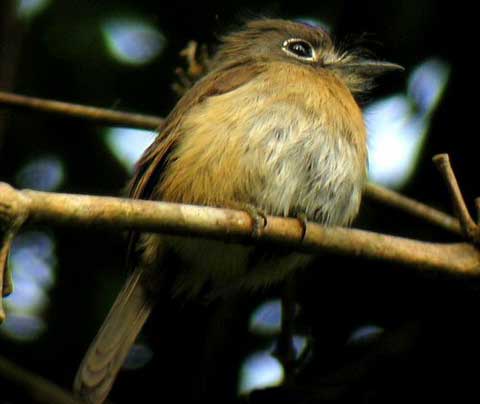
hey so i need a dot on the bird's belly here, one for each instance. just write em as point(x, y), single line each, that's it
point(290, 167)
point(225, 268)
point(285, 156)
point(302, 169)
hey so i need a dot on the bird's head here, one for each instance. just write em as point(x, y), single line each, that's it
point(270, 40)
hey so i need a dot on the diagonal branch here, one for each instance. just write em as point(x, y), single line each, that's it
point(102, 115)
point(38, 389)
point(413, 207)
point(107, 116)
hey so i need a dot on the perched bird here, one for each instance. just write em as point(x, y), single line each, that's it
point(273, 126)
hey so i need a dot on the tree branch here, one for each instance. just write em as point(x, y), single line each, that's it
point(101, 115)
point(413, 207)
point(232, 225)
point(40, 390)
point(13, 214)
point(468, 226)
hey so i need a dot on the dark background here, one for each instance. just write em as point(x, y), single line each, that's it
point(429, 349)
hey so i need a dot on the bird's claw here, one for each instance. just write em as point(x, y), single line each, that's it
point(302, 219)
point(259, 219)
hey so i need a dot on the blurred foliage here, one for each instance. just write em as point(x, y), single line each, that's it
point(430, 336)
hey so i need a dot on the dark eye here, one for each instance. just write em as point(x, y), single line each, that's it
point(299, 48)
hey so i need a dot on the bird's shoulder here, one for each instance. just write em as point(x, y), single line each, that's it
point(151, 164)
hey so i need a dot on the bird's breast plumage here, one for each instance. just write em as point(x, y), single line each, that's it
point(290, 142)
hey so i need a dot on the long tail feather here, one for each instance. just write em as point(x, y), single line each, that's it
point(112, 344)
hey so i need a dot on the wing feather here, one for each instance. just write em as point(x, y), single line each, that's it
point(152, 164)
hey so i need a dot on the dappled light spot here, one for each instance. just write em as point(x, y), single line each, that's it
point(33, 258)
point(300, 344)
point(427, 83)
point(28, 297)
point(30, 8)
point(127, 144)
point(267, 318)
point(43, 174)
point(398, 125)
point(132, 41)
point(258, 371)
point(138, 357)
point(23, 328)
point(32, 262)
point(365, 334)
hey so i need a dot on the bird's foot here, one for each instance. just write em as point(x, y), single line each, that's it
point(302, 219)
point(258, 216)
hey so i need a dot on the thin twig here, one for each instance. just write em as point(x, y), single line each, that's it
point(469, 227)
point(413, 207)
point(37, 388)
point(103, 115)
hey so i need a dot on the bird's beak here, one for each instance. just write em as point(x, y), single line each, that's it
point(366, 67)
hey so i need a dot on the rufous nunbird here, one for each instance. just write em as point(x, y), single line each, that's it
point(274, 125)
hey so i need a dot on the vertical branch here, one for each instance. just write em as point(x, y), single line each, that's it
point(469, 227)
point(6, 285)
point(12, 216)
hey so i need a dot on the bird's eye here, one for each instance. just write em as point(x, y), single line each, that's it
point(299, 49)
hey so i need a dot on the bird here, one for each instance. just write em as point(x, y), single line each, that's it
point(273, 127)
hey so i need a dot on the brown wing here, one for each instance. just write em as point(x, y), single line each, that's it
point(151, 165)
point(133, 305)
point(153, 161)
